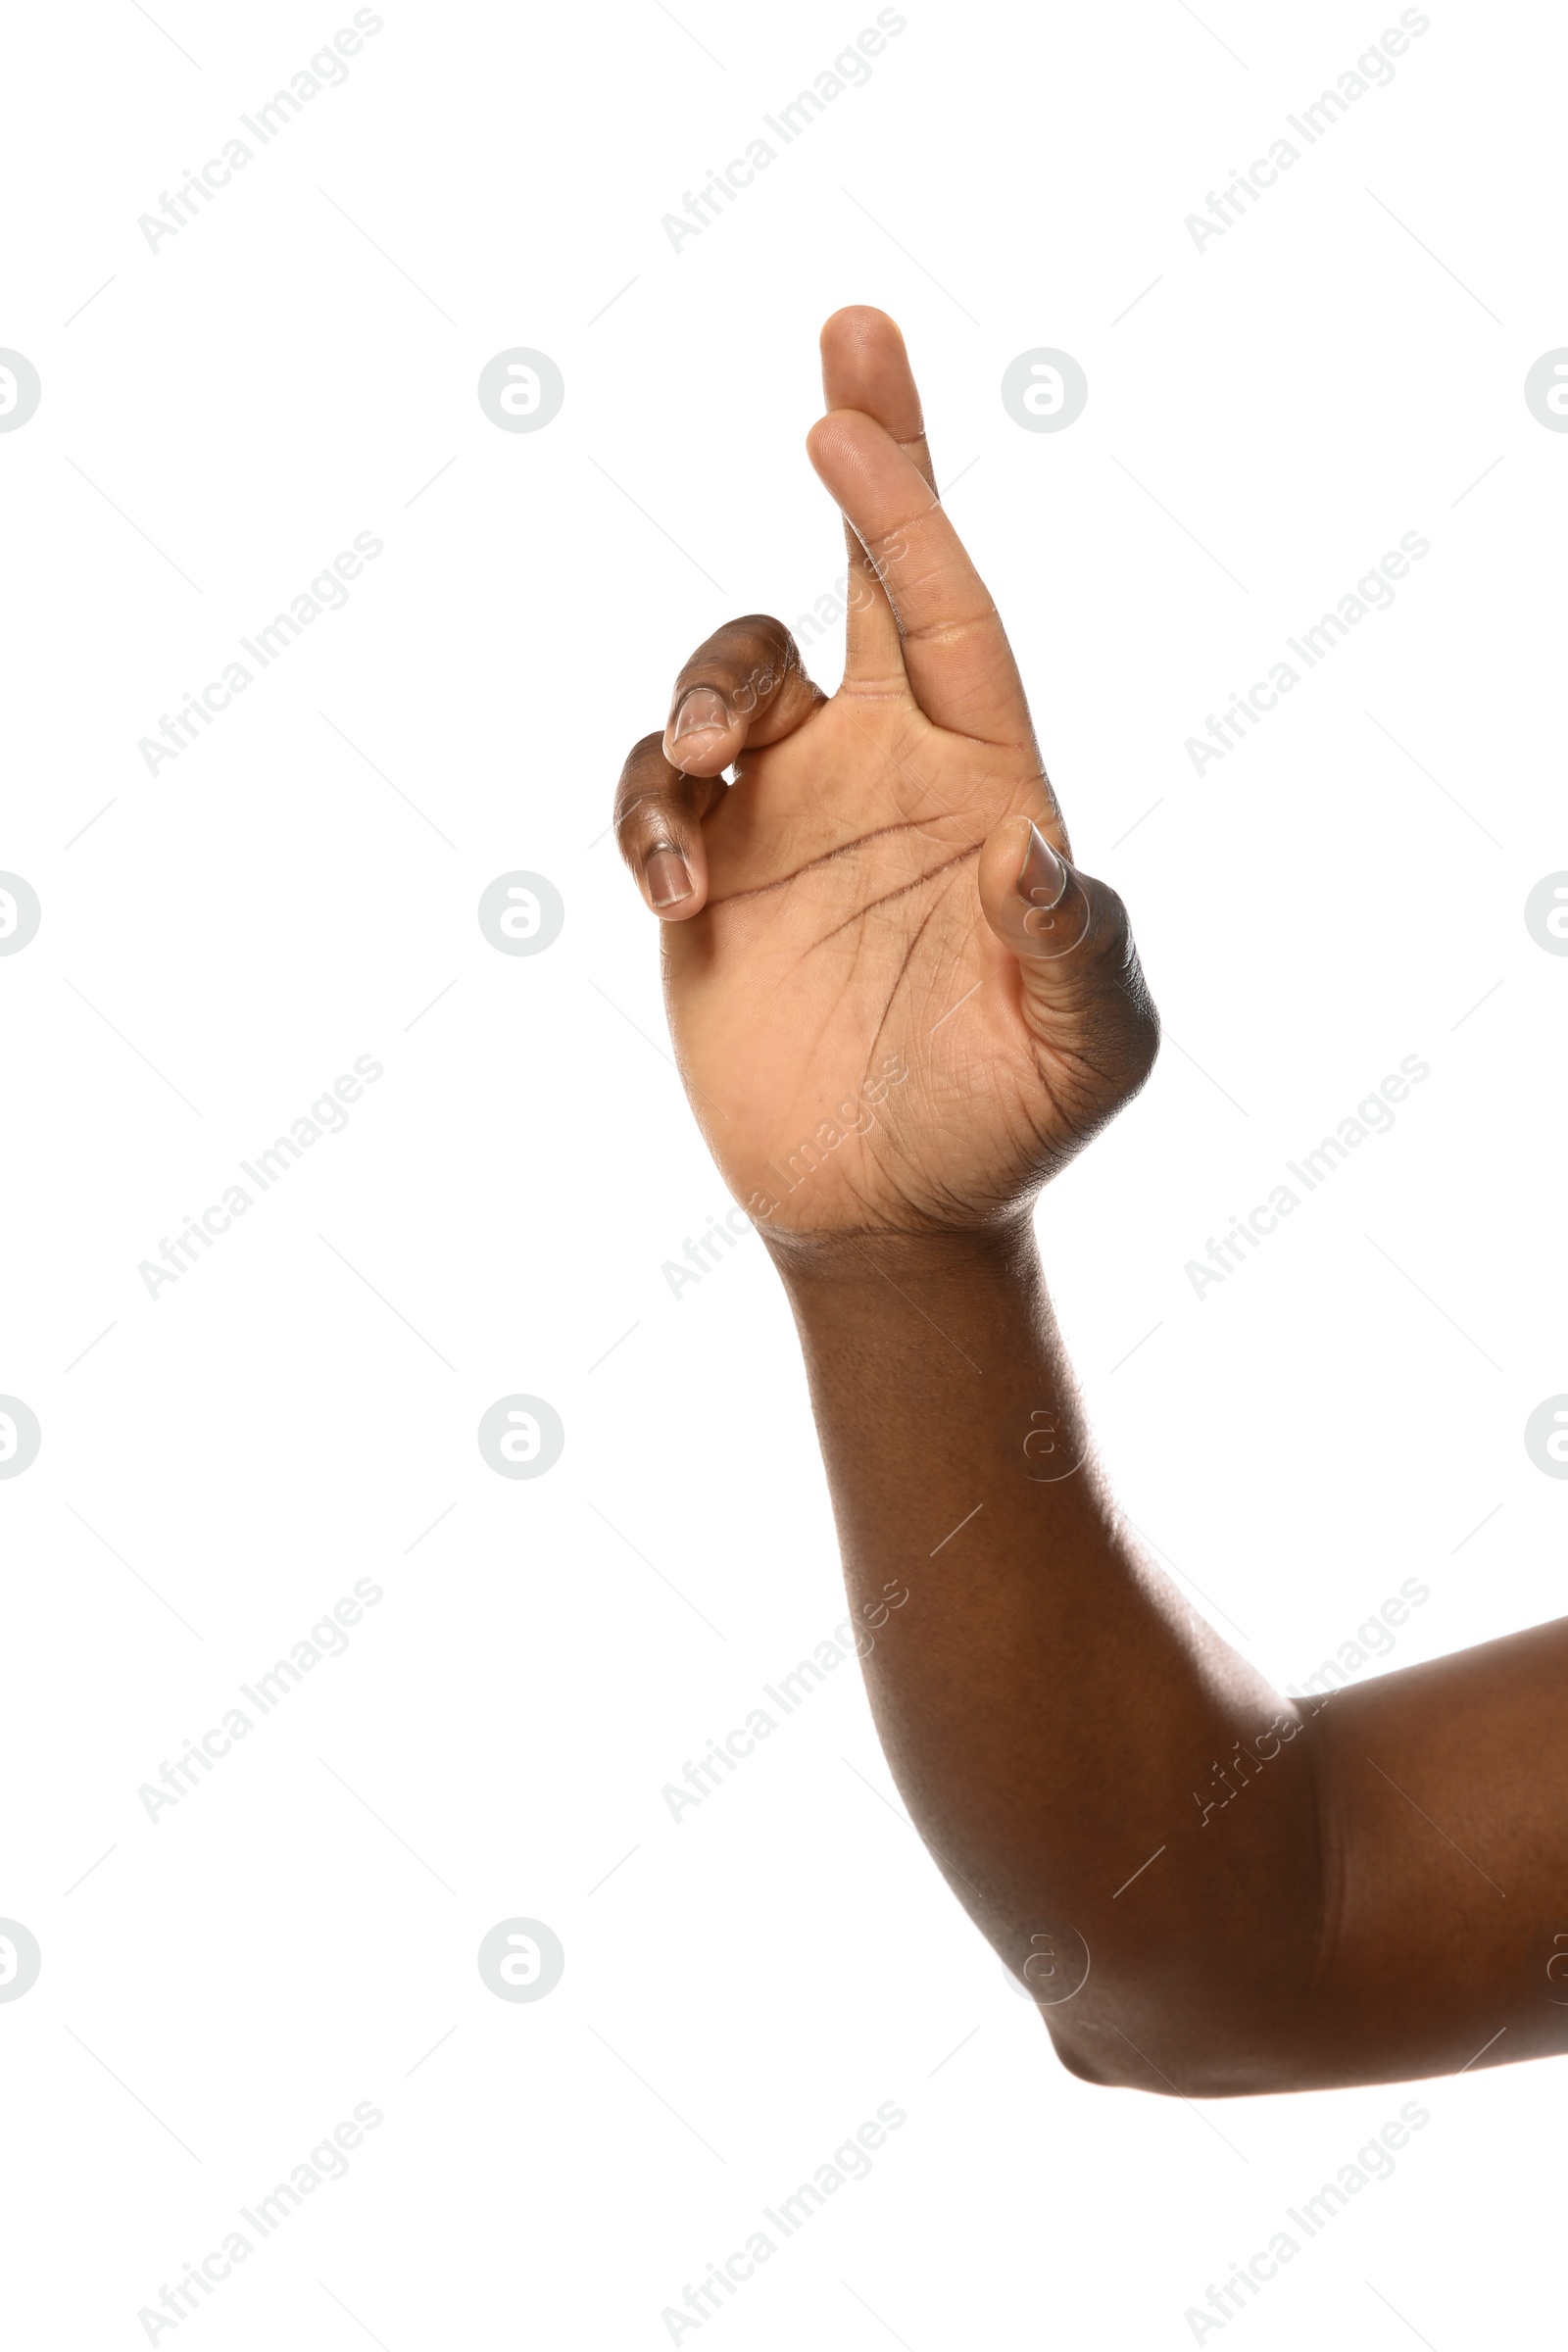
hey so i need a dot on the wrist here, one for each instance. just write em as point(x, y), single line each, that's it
point(936, 1346)
point(1004, 1248)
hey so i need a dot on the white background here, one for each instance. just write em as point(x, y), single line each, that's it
point(226, 414)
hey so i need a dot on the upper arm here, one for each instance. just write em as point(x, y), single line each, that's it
point(1444, 1793)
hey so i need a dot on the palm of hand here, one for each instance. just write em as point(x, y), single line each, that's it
point(849, 1066)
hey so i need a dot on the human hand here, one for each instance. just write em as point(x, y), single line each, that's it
point(897, 1006)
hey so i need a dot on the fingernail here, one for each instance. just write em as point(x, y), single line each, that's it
point(701, 713)
point(667, 876)
point(1042, 877)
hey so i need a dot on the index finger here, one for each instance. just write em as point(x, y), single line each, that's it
point(955, 650)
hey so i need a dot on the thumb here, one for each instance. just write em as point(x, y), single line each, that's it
point(1082, 985)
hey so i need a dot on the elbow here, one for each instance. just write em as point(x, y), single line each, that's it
point(1086, 2057)
point(1196, 2063)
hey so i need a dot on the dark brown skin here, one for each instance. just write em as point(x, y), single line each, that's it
point(898, 1009)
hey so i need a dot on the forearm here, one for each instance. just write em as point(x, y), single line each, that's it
point(1048, 1702)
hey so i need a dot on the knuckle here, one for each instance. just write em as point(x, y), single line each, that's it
point(765, 625)
point(645, 777)
point(643, 814)
point(755, 654)
point(1112, 926)
point(643, 753)
point(1110, 906)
